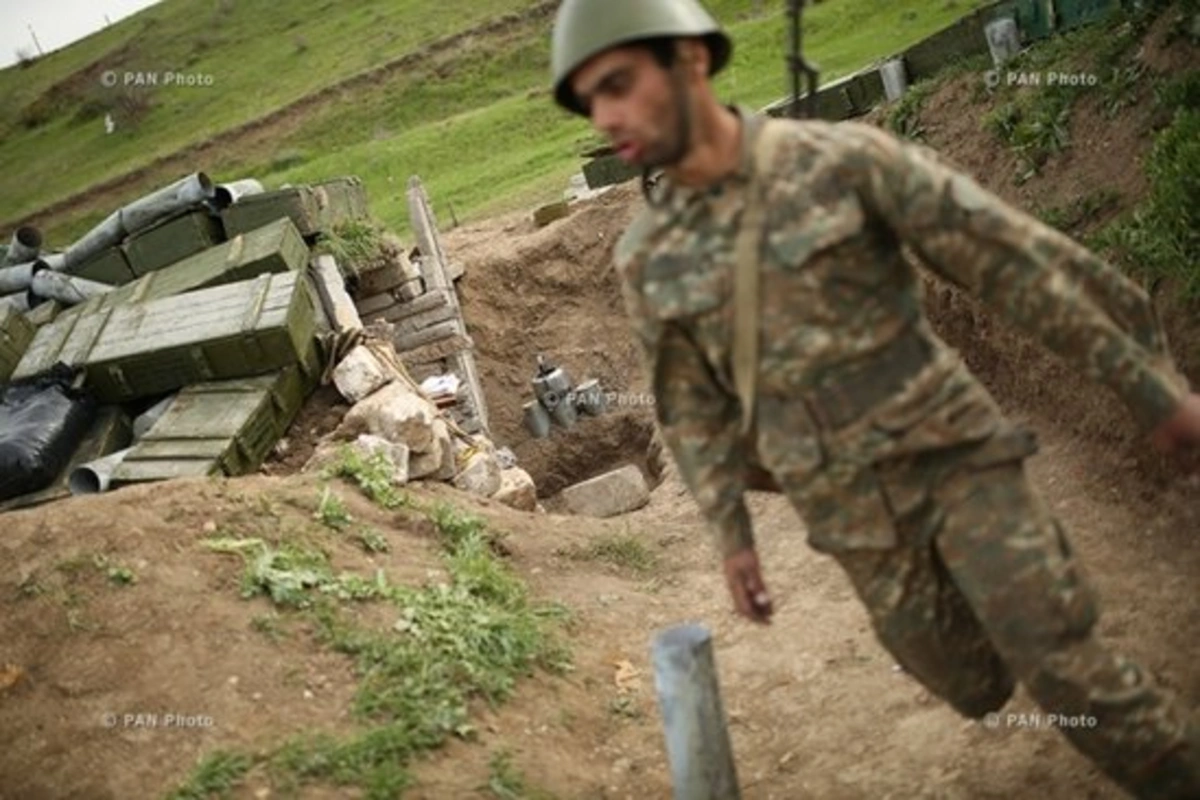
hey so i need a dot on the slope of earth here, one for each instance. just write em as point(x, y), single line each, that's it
point(816, 708)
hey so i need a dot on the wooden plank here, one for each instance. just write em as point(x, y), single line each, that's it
point(331, 288)
point(16, 335)
point(418, 322)
point(437, 351)
point(434, 333)
point(402, 311)
point(376, 304)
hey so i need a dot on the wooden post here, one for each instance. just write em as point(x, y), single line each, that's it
point(689, 700)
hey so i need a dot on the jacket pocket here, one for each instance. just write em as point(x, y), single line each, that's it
point(847, 510)
point(794, 240)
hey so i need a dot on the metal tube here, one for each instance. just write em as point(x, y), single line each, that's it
point(17, 278)
point(26, 244)
point(95, 477)
point(169, 200)
point(106, 234)
point(145, 421)
point(55, 261)
point(689, 699)
point(66, 289)
point(226, 194)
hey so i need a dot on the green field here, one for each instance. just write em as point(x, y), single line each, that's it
point(474, 120)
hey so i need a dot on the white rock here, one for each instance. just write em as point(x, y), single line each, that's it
point(438, 461)
point(359, 375)
point(480, 475)
point(396, 452)
point(517, 489)
point(396, 413)
point(608, 495)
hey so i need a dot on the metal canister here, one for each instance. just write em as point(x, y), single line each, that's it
point(537, 420)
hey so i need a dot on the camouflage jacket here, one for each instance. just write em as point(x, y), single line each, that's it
point(850, 374)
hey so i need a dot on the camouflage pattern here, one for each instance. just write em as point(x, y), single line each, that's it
point(899, 461)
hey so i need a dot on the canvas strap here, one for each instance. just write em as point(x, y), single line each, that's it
point(748, 253)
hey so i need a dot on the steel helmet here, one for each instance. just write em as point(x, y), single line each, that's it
point(585, 28)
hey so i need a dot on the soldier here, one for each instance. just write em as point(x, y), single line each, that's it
point(784, 335)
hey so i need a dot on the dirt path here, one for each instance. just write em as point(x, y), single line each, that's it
point(816, 706)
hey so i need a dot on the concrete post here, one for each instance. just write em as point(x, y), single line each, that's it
point(689, 700)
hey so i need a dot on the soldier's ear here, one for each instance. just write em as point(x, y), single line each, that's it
point(695, 58)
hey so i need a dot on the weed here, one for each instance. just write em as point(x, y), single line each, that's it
point(624, 551)
point(371, 540)
point(1162, 236)
point(372, 473)
point(1080, 209)
point(268, 626)
point(1180, 92)
point(904, 118)
point(217, 774)
point(471, 638)
point(1121, 91)
point(625, 706)
point(331, 511)
point(506, 782)
point(356, 245)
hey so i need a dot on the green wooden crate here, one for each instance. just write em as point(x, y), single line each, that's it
point(16, 335)
point(275, 247)
point(341, 199)
point(48, 346)
point(108, 266)
point(173, 240)
point(242, 329)
point(218, 428)
point(298, 203)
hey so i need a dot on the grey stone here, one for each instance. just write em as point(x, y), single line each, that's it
point(617, 492)
point(517, 489)
point(359, 375)
point(396, 413)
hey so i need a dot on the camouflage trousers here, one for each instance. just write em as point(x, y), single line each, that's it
point(983, 591)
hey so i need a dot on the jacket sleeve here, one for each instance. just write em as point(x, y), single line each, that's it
point(700, 424)
point(1075, 303)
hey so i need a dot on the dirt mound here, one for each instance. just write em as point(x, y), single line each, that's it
point(553, 291)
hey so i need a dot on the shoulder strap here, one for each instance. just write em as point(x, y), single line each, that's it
point(746, 293)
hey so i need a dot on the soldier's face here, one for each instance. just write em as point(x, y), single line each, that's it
point(636, 103)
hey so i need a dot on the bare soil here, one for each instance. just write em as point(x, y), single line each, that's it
point(816, 708)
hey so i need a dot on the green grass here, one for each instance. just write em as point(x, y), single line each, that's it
point(506, 782)
point(476, 123)
point(371, 473)
point(468, 639)
point(624, 551)
point(1161, 238)
point(216, 775)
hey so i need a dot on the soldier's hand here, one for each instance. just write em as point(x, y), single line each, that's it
point(1182, 429)
point(744, 577)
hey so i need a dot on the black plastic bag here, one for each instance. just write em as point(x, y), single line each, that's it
point(41, 423)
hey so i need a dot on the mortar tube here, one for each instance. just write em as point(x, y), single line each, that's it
point(55, 261)
point(145, 421)
point(66, 289)
point(17, 278)
point(106, 234)
point(95, 477)
point(167, 201)
point(26, 244)
point(226, 194)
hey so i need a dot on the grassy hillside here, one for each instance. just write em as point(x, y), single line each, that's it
point(473, 119)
